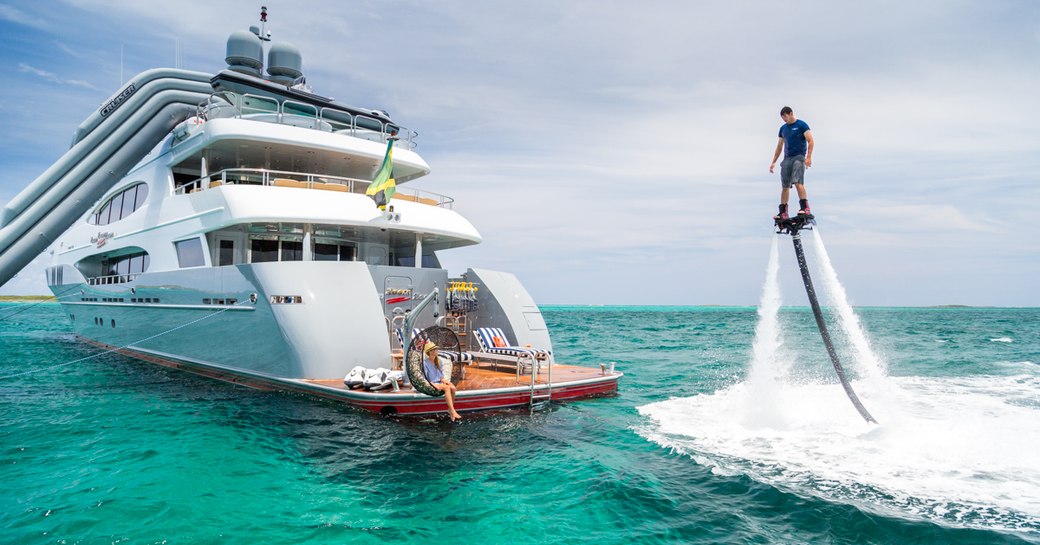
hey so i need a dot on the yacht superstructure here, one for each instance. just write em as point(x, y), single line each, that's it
point(240, 244)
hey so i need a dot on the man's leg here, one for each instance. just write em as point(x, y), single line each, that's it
point(803, 200)
point(786, 173)
point(782, 213)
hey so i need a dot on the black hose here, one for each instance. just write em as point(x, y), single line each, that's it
point(807, 280)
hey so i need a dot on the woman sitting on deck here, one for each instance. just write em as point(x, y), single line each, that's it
point(439, 374)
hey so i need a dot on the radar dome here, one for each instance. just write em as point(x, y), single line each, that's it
point(284, 63)
point(245, 54)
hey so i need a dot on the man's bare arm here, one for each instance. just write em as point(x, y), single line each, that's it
point(776, 154)
point(808, 152)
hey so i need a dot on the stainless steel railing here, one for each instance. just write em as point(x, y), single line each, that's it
point(111, 279)
point(305, 180)
point(299, 114)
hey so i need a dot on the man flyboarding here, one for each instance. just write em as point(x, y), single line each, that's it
point(796, 141)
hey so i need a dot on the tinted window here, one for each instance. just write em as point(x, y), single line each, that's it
point(103, 214)
point(326, 252)
point(430, 261)
point(136, 263)
point(128, 201)
point(142, 194)
point(189, 253)
point(121, 205)
point(292, 250)
point(263, 250)
point(226, 254)
point(117, 208)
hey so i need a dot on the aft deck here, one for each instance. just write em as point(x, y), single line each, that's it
point(484, 376)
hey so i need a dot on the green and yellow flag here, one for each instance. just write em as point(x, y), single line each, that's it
point(383, 187)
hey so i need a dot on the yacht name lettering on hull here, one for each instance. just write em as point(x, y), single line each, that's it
point(118, 100)
point(102, 238)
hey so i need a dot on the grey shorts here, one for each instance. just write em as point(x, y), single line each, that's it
point(792, 170)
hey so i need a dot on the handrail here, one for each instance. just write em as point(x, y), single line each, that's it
point(112, 279)
point(325, 119)
point(306, 180)
point(413, 315)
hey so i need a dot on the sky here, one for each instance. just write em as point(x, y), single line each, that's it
point(618, 153)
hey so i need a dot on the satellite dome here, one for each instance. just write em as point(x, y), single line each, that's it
point(245, 54)
point(284, 63)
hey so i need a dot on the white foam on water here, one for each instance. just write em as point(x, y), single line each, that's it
point(867, 364)
point(1003, 340)
point(959, 451)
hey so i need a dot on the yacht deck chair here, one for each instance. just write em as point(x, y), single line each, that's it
point(526, 358)
point(464, 357)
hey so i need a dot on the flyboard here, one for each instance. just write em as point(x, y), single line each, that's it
point(792, 226)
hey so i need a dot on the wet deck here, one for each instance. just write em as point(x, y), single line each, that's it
point(486, 377)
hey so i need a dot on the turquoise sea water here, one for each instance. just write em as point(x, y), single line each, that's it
point(113, 450)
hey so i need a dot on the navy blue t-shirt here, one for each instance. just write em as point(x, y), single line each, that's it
point(794, 138)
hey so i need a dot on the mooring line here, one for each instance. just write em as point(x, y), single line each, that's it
point(109, 351)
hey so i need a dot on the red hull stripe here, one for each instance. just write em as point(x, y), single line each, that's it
point(466, 401)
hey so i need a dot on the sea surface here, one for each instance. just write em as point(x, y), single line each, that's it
point(114, 450)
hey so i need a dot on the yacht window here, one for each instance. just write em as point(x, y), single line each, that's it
point(136, 263)
point(115, 270)
point(226, 254)
point(121, 205)
point(117, 207)
point(333, 252)
point(142, 194)
point(102, 215)
point(292, 250)
point(263, 251)
point(189, 253)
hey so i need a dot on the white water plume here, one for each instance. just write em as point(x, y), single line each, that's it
point(768, 338)
point(767, 372)
point(955, 450)
point(866, 361)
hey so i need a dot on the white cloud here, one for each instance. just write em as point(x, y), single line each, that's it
point(594, 148)
point(13, 14)
point(52, 77)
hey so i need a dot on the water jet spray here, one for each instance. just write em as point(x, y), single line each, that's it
point(793, 226)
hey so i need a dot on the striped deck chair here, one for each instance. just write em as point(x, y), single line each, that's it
point(456, 357)
point(526, 358)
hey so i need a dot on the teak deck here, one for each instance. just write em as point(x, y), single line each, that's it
point(484, 377)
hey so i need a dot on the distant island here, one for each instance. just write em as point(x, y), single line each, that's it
point(23, 298)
